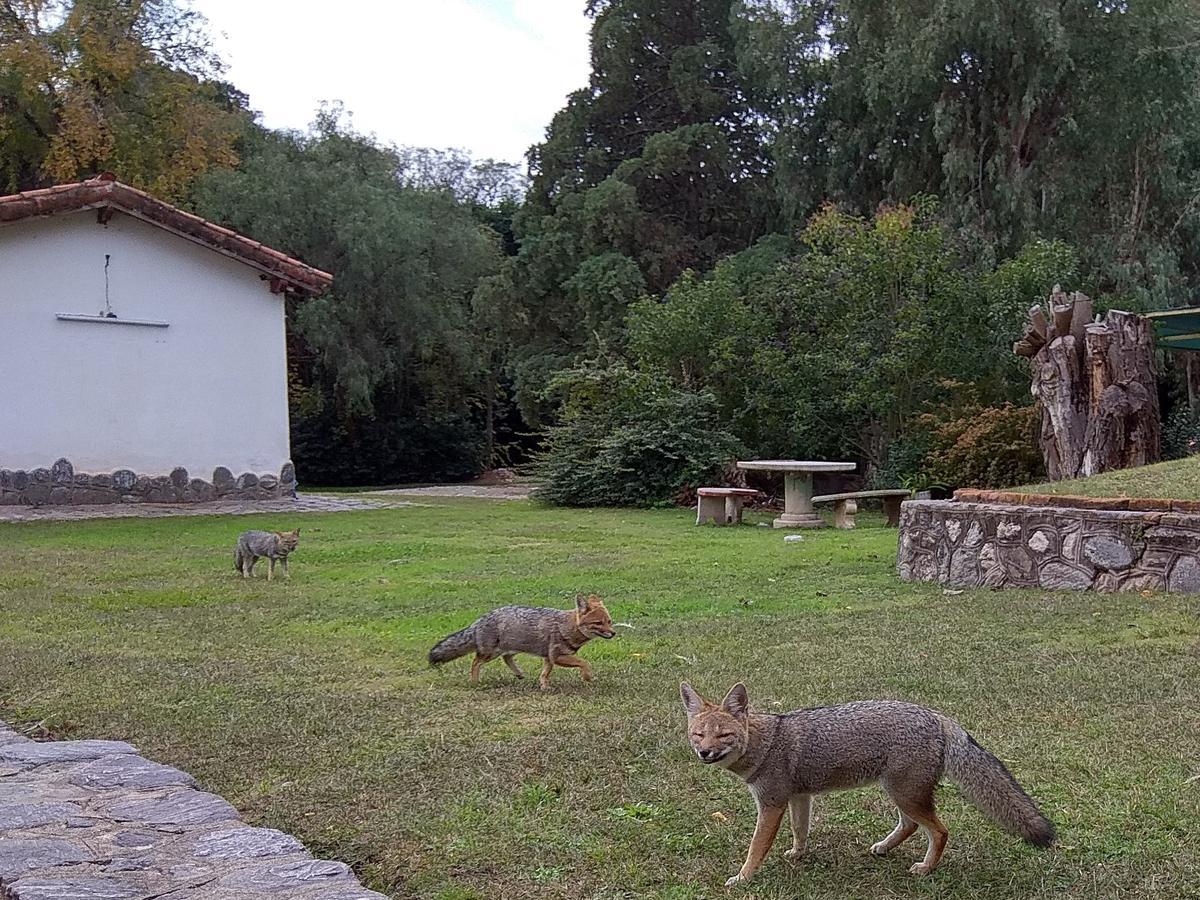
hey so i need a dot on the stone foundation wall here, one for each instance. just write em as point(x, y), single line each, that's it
point(999, 545)
point(62, 485)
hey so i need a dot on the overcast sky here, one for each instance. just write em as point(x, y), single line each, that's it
point(482, 75)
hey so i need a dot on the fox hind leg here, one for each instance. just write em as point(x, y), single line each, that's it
point(800, 808)
point(919, 810)
point(904, 829)
point(476, 665)
point(511, 662)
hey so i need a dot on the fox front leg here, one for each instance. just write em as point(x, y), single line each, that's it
point(765, 830)
point(271, 569)
point(800, 807)
point(544, 678)
point(573, 661)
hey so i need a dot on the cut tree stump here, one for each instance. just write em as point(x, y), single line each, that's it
point(1094, 383)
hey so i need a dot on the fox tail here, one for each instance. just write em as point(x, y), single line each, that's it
point(453, 646)
point(989, 785)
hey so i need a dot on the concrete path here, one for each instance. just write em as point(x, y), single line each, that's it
point(93, 820)
point(305, 503)
point(483, 491)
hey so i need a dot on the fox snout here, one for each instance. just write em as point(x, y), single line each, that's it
point(607, 635)
point(712, 755)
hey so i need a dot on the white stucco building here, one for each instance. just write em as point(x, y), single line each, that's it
point(135, 336)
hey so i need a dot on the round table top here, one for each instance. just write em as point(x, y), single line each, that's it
point(795, 465)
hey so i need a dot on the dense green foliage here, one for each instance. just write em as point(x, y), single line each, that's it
point(388, 367)
point(1060, 139)
point(629, 439)
point(982, 446)
point(812, 213)
point(654, 168)
point(841, 347)
point(1074, 119)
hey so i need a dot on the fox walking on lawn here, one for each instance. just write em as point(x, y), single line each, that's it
point(553, 634)
point(787, 759)
point(274, 545)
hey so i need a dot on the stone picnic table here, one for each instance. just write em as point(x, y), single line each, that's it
point(797, 487)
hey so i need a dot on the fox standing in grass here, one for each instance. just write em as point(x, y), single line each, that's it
point(553, 634)
point(787, 759)
point(274, 545)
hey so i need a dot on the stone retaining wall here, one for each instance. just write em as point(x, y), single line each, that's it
point(1008, 545)
point(92, 820)
point(62, 485)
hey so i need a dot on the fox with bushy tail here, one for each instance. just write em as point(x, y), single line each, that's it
point(786, 760)
point(556, 635)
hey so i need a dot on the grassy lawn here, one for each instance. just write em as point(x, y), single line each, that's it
point(310, 706)
point(1178, 479)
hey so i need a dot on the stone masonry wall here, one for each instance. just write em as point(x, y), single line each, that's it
point(62, 485)
point(998, 545)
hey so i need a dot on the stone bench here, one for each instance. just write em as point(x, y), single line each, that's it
point(720, 505)
point(845, 505)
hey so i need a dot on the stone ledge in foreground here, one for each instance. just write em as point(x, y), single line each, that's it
point(93, 820)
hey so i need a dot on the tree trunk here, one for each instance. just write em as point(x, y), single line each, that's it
point(1192, 377)
point(491, 389)
point(1094, 382)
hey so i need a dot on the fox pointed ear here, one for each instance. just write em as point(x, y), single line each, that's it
point(691, 700)
point(296, 532)
point(737, 701)
point(581, 602)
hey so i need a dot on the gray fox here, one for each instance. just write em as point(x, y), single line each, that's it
point(553, 634)
point(274, 545)
point(787, 759)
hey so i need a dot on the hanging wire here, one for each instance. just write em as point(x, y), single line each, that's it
point(108, 313)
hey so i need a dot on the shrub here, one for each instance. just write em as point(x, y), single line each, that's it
point(628, 438)
point(985, 446)
point(1180, 434)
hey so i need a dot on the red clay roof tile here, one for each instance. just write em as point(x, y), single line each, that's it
point(105, 190)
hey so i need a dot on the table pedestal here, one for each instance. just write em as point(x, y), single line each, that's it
point(797, 503)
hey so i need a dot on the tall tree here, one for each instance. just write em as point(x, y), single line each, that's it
point(654, 168)
point(87, 85)
point(389, 377)
point(1076, 119)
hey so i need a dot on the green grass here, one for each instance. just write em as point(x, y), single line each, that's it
point(309, 704)
point(1178, 479)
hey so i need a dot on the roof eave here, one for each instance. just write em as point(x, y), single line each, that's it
point(298, 277)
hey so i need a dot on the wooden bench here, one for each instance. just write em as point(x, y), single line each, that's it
point(845, 505)
point(721, 505)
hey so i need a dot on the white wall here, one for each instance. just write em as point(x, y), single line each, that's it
point(209, 390)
